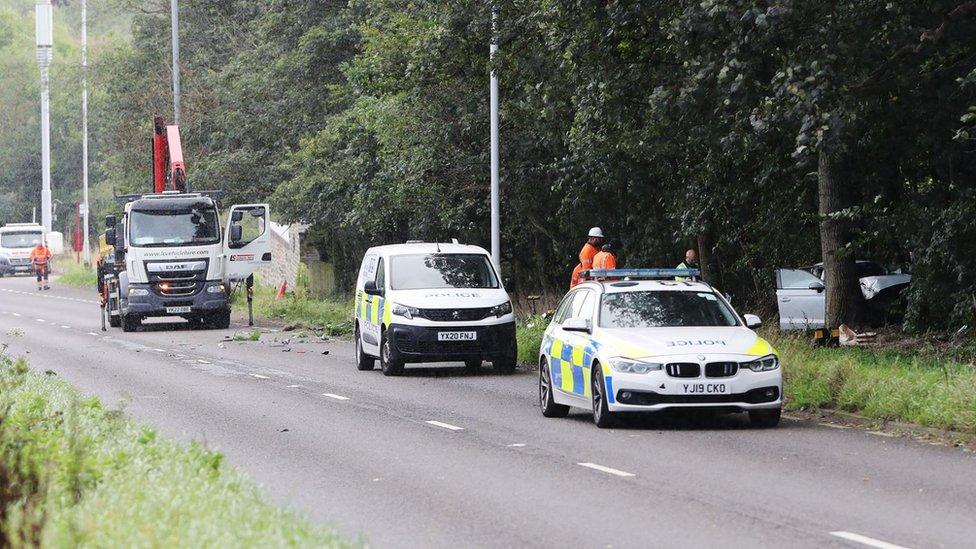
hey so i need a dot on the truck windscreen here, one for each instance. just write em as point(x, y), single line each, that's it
point(19, 240)
point(161, 228)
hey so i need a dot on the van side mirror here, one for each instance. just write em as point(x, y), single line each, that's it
point(752, 321)
point(577, 325)
point(817, 286)
point(110, 236)
point(236, 233)
point(237, 216)
point(110, 221)
point(371, 289)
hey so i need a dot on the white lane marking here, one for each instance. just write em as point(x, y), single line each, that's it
point(870, 542)
point(202, 361)
point(15, 314)
point(293, 386)
point(259, 376)
point(447, 426)
point(516, 445)
point(66, 327)
point(336, 397)
point(92, 334)
point(160, 350)
point(605, 469)
point(39, 319)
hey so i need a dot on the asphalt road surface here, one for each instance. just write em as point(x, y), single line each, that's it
point(440, 458)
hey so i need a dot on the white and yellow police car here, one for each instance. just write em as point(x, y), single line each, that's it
point(629, 341)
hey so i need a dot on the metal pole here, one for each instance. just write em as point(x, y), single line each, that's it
point(495, 199)
point(175, 17)
point(86, 248)
point(44, 40)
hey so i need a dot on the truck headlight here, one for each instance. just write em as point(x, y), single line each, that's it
point(406, 312)
point(136, 292)
point(629, 366)
point(503, 309)
point(215, 289)
point(764, 364)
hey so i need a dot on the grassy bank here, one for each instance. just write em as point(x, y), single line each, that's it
point(73, 473)
point(334, 317)
point(75, 274)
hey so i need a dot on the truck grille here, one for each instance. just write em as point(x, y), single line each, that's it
point(177, 283)
point(721, 369)
point(456, 315)
point(683, 369)
point(19, 261)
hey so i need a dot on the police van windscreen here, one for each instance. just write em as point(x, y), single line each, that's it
point(654, 309)
point(19, 240)
point(161, 228)
point(439, 271)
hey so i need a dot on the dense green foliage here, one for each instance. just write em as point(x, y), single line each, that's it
point(669, 123)
point(74, 474)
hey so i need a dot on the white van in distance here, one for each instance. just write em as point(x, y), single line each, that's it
point(421, 302)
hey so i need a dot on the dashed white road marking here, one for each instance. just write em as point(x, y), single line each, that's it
point(15, 314)
point(293, 386)
point(259, 376)
point(336, 397)
point(66, 327)
point(447, 426)
point(864, 540)
point(92, 334)
point(202, 361)
point(605, 469)
point(40, 320)
point(516, 445)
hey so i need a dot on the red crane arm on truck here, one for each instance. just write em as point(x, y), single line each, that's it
point(168, 168)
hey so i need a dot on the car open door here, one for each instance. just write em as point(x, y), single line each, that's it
point(247, 240)
point(800, 300)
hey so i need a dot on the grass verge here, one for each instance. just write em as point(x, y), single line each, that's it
point(75, 274)
point(73, 473)
point(333, 317)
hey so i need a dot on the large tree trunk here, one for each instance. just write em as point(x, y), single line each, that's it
point(843, 294)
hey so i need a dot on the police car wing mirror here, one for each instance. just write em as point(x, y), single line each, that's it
point(110, 237)
point(577, 325)
point(752, 321)
point(371, 289)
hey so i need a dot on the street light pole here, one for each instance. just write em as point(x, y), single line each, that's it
point(175, 23)
point(86, 249)
point(495, 199)
point(44, 36)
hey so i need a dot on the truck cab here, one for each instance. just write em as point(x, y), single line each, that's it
point(174, 259)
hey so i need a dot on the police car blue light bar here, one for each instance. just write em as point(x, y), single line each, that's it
point(635, 274)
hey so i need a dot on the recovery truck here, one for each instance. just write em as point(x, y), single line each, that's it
point(170, 255)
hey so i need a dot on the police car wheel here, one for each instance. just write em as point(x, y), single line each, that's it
point(601, 413)
point(364, 362)
point(765, 418)
point(546, 401)
point(390, 361)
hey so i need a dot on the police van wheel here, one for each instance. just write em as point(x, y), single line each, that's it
point(364, 362)
point(130, 323)
point(504, 366)
point(546, 401)
point(765, 418)
point(602, 415)
point(473, 365)
point(390, 361)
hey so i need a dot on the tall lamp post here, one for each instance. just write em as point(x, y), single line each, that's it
point(85, 209)
point(496, 254)
point(44, 35)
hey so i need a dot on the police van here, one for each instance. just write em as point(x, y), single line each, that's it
point(428, 302)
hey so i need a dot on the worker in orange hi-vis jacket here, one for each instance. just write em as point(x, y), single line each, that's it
point(606, 259)
point(40, 258)
point(586, 255)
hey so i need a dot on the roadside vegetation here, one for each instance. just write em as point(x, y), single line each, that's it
point(73, 473)
point(334, 317)
point(75, 274)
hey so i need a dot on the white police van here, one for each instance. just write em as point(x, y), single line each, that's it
point(626, 341)
point(428, 302)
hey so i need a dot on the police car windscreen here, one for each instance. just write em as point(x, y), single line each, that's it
point(19, 240)
point(433, 271)
point(159, 228)
point(664, 309)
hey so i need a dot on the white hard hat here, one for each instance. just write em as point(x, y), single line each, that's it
point(595, 232)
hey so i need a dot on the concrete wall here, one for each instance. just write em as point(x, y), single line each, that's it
point(285, 257)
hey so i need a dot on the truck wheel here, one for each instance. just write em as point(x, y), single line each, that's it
point(390, 361)
point(546, 401)
point(218, 321)
point(765, 418)
point(130, 323)
point(602, 415)
point(364, 362)
point(114, 320)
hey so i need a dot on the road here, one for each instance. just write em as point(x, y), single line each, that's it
point(440, 458)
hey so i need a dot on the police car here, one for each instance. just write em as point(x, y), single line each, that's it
point(630, 341)
point(429, 302)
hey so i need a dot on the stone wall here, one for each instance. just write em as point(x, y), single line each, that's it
point(285, 257)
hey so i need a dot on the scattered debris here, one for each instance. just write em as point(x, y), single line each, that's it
point(325, 352)
point(291, 327)
point(849, 337)
point(50, 372)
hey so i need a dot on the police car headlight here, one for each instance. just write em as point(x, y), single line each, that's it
point(764, 364)
point(503, 309)
point(136, 292)
point(406, 312)
point(629, 366)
